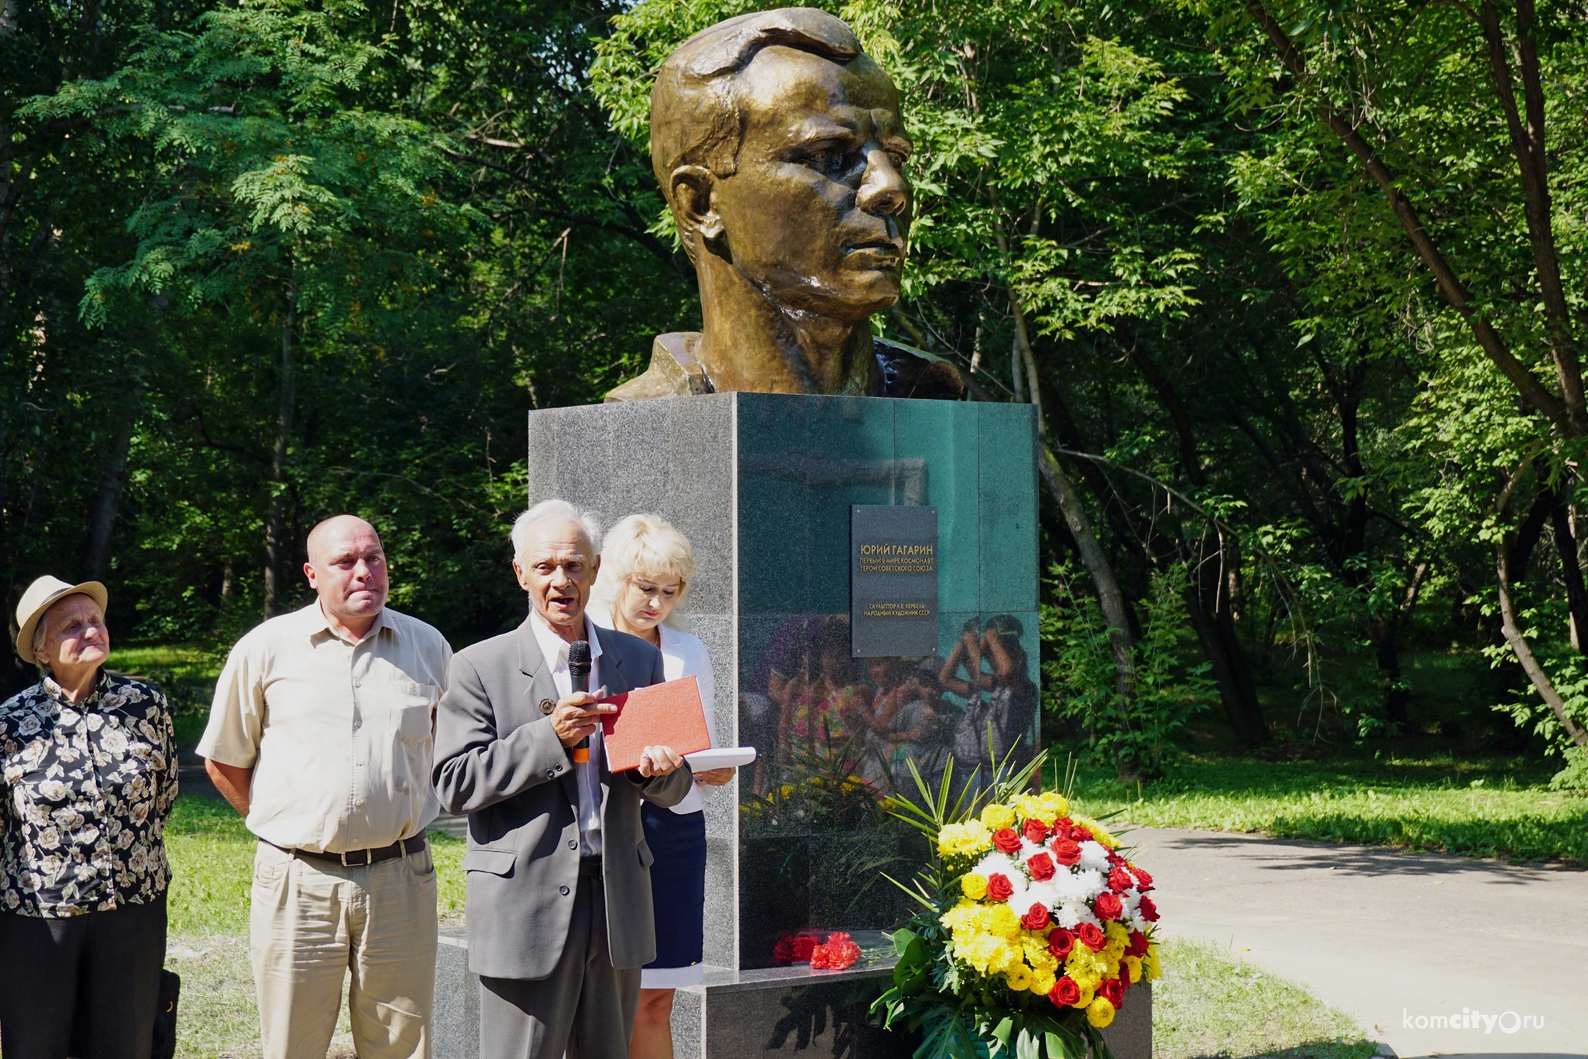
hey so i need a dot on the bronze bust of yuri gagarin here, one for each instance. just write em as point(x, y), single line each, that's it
point(781, 151)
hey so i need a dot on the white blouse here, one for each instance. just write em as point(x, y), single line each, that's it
point(684, 655)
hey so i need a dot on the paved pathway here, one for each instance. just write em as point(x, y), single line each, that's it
point(1390, 937)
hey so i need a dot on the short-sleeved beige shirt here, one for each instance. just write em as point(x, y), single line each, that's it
point(339, 734)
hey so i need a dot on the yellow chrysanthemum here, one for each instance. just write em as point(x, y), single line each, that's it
point(963, 840)
point(1115, 931)
point(1085, 998)
point(1002, 921)
point(1134, 963)
point(1086, 967)
point(1151, 968)
point(997, 815)
point(1056, 803)
point(1100, 1012)
point(973, 886)
point(1031, 807)
point(1042, 982)
point(1018, 977)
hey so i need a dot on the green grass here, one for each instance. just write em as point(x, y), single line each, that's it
point(1210, 1004)
point(1499, 808)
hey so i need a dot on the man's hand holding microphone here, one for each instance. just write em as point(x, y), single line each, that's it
point(577, 716)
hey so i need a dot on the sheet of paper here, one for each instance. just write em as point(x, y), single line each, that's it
point(726, 757)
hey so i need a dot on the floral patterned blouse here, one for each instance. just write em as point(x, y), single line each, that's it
point(84, 794)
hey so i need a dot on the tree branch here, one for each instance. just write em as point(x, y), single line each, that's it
point(1450, 287)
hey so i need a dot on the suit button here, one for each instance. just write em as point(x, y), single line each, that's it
point(563, 890)
point(559, 768)
point(573, 843)
point(551, 772)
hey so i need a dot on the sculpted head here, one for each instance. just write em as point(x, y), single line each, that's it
point(780, 148)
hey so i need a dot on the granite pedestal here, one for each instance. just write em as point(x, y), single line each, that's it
point(763, 484)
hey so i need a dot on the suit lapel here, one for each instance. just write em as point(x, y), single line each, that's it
point(533, 663)
point(613, 677)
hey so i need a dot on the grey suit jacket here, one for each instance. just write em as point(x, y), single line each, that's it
point(498, 759)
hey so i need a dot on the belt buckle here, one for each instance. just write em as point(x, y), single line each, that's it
point(355, 863)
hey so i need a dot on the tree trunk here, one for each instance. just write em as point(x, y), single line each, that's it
point(1109, 596)
point(107, 500)
point(1208, 606)
point(1571, 571)
point(275, 522)
point(1524, 653)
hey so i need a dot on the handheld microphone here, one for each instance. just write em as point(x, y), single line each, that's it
point(579, 677)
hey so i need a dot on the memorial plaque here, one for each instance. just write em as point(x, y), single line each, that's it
point(892, 581)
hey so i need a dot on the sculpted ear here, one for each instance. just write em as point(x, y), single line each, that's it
point(693, 208)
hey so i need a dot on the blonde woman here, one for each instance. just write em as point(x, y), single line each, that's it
point(646, 568)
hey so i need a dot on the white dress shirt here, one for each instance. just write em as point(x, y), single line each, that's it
point(555, 650)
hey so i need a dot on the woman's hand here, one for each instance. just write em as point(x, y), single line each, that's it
point(716, 777)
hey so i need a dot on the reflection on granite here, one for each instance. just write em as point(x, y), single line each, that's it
point(762, 484)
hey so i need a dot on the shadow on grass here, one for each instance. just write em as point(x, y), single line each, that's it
point(1311, 1050)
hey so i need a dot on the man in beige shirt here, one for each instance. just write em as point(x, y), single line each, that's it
point(321, 736)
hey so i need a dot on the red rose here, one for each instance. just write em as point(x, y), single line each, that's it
point(804, 945)
point(1036, 917)
point(1108, 906)
point(998, 888)
point(1116, 860)
point(1118, 880)
point(1080, 833)
point(1124, 978)
point(1036, 831)
point(1040, 867)
point(837, 953)
point(783, 952)
point(1138, 944)
point(1091, 937)
point(1149, 911)
point(1065, 851)
point(1143, 880)
point(1006, 840)
point(1064, 992)
point(1060, 942)
point(1109, 989)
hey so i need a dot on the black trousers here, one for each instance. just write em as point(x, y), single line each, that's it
point(100, 970)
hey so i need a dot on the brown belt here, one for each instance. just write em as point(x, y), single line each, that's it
point(358, 858)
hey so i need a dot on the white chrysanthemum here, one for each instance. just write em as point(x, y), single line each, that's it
point(1043, 893)
point(1073, 886)
point(1131, 917)
point(1094, 855)
point(996, 863)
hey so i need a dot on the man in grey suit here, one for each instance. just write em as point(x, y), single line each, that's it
point(559, 893)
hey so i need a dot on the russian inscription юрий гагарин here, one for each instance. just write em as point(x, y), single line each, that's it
point(892, 580)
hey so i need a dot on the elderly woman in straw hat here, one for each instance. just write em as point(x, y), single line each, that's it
point(87, 778)
point(646, 568)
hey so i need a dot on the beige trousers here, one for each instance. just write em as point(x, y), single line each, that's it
point(312, 921)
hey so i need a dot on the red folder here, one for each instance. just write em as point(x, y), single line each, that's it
point(667, 714)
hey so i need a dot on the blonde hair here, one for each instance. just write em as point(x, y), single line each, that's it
point(642, 546)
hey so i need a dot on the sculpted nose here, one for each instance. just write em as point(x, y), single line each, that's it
point(883, 190)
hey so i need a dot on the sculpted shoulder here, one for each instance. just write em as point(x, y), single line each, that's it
point(674, 372)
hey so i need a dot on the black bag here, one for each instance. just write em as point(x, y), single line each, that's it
point(165, 1016)
point(164, 1022)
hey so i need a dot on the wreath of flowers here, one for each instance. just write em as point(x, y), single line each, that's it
point(1034, 925)
point(1049, 903)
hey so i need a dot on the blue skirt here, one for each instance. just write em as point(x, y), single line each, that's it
point(678, 894)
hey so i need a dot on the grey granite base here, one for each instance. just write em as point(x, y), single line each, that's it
point(748, 1014)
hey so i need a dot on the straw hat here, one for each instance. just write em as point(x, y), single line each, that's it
point(40, 597)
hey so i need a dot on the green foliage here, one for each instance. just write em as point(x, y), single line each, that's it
point(1079, 689)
